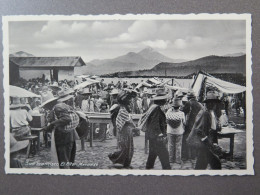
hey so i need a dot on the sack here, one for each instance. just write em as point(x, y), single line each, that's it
point(174, 123)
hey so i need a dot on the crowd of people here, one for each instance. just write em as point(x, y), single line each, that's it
point(177, 126)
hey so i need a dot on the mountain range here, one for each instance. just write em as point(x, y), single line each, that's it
point(149, 62)
point(21, 54)
point(210, 64)
point(145, 59)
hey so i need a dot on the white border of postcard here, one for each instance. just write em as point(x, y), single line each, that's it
point(249, 104)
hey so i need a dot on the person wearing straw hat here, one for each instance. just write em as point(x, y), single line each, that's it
point(66, 96)
point(46, 94)
point(190, 109)
point(87, 104)
point(154, 123)
point(125, 127)
point(203, 134)
point(113, 97)
point(15, 147)
point(19, 118)
point(175, 128)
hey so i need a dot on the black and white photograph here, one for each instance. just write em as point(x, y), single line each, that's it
point(128, 94)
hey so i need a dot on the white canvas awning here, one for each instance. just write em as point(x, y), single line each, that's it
point(223, 86)
point(20, 92)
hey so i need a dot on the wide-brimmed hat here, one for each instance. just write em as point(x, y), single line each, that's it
point(49, 103)
point(191, 94)
point(179, 94)
point(176, 102)
point(114, 92)
point(211, 97)
point(65, 95)
point(85, 91)
point(160, 95)
point(16, 103)
point(125, 94)
point(17, 145)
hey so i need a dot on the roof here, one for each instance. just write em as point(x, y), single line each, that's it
point(47, 61)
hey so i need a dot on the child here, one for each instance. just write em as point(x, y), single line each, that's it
point(175, 128)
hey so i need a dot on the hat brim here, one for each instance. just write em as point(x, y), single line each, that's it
point(85, 93)
point(17, 105)
point(63, 99)
point(48, 102)
point(163, 97)
point(19, 146)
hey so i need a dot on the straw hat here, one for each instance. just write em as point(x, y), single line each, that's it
point(114, 92)
point(85, 91)
point(16, 103)
point(176, 102)
point(211, 97)
point(49, 103)
point(17, 145)
point(191, 94)
point(179, 94)
point(160, 95)
point(65, 95)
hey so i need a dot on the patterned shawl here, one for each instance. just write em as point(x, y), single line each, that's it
point(142, 123)
point(122, 117)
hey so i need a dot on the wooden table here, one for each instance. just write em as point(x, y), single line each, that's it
point(104, 118)
point(37, 131)
point(229, 132)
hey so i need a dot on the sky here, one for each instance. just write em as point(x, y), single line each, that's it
point(107, 39)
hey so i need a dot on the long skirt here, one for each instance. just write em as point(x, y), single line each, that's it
point(126, 148)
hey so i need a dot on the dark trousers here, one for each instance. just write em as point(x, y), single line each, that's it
point(157, 148)
point(66, 155)
point(205, 157)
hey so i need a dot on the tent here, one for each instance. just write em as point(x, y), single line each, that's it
point(204, 79)
point(182, 89)
point(20, 92)
point(86, 83)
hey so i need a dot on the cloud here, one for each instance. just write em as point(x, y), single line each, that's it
point(138, 31)
point(59, 44)
point(157, 44)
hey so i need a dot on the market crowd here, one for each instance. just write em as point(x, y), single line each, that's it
point(176, 125)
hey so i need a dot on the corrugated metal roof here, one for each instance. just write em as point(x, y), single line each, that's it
point(48, 61)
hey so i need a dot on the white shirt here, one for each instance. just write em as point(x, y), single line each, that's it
point(19, 117)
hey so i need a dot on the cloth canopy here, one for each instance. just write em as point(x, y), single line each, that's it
point(86, 83)
point(20, 92)
point(223, 86)
point(177, 88)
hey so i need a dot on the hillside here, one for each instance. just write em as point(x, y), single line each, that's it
point(21, 54)
point(145, 59)
point(210, 64)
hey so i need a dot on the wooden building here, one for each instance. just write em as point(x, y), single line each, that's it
point(53, 68)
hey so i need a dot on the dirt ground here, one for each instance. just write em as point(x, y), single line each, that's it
point(96, 157)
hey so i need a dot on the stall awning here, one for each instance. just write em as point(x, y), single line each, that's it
point(20, 92)
point(223, 86)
